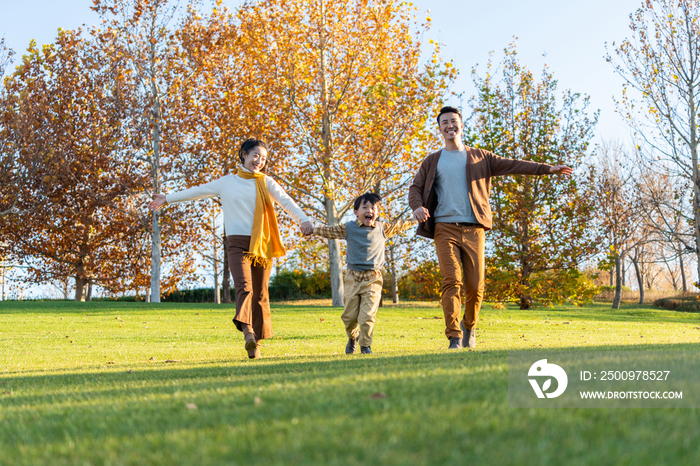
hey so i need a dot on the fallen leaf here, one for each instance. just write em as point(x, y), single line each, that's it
point(257, 401)
point(171, 360)
point(191, 406)
point(110, 362)
point(378, 395)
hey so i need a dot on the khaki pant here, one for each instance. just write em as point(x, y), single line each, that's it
point(460, 251)
point(361, 304)
point(251, 284)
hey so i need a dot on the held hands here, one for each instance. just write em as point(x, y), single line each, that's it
point(560, 170)
point(421, 214)
point(158, 202)
point(307, 228)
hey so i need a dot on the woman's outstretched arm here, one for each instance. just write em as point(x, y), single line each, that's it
point(281, 197)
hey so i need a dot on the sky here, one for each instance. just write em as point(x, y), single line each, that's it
point(568, 35)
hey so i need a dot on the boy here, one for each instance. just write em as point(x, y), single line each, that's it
point(365, 238)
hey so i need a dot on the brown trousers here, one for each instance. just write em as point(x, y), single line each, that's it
point(460, 251)
point(251, 285)
point(361, 305)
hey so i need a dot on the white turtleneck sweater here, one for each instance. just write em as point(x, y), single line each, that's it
point(238, 201)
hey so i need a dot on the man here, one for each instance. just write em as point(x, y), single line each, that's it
point(450, 200)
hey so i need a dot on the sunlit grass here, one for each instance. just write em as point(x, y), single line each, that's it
point(117, 383)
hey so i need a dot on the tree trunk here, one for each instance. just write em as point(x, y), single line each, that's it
point(394, 282)
point(226, 281)
point(685, 283)
point(525, 298)
point(89, 292)
point(215, 262)
point(337, 287)
point(155, 236)
point(640, 281)
point(2, 278)
point(525, 269)
point(80, 284)
point(618, 284)
point(217, 289)
point(696, 176)
point(334, 262)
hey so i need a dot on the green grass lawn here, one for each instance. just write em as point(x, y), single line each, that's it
point(131, 383)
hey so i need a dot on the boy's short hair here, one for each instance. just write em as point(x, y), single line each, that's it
point(448, 109)
point(372, 198)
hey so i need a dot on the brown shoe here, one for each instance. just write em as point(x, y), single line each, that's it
point(254, 353)
point(250, 343)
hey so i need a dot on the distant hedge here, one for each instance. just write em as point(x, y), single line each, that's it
point(284, 285)
point(680, 304)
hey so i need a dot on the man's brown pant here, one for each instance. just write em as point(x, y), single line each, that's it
point(251, 284)
point(460, 251)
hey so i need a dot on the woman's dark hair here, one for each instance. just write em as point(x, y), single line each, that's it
point(372, 198)
point(248, 145)
point(444, 110)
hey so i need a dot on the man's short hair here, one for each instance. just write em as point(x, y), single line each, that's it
point(372, 198)
point(448, 109)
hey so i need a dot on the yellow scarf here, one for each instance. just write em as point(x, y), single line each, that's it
point(265, 240)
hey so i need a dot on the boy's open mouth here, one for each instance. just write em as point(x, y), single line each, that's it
point(369, 218)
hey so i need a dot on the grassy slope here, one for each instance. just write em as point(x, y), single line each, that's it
point(89, 384)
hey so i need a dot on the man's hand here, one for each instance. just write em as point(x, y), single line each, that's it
point(560, 170)
point(307, 228)
point(421, 214)
point(158, 202)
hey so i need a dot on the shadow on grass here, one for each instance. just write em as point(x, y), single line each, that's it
point(397, 409)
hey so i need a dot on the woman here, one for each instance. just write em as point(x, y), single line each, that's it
point(253, 238)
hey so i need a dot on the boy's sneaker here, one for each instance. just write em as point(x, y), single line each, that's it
point(351, 347)
point(455, 343)
point(468, 336)
point(366, 350)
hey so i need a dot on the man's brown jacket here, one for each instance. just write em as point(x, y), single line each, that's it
point(481, 166)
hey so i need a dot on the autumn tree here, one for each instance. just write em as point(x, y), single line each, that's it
point(618, 212)
point(355, 99)
point(660, 64)
point(12, 173)
point(69, 95)
point(141, 35)
point(224, 100)
point(542, 226)
point(666, 206)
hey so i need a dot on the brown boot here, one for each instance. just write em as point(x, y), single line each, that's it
point(255, 354)
point(248, 336)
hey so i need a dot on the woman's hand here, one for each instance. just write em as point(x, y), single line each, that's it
point(158, 202)
point(307, 228)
